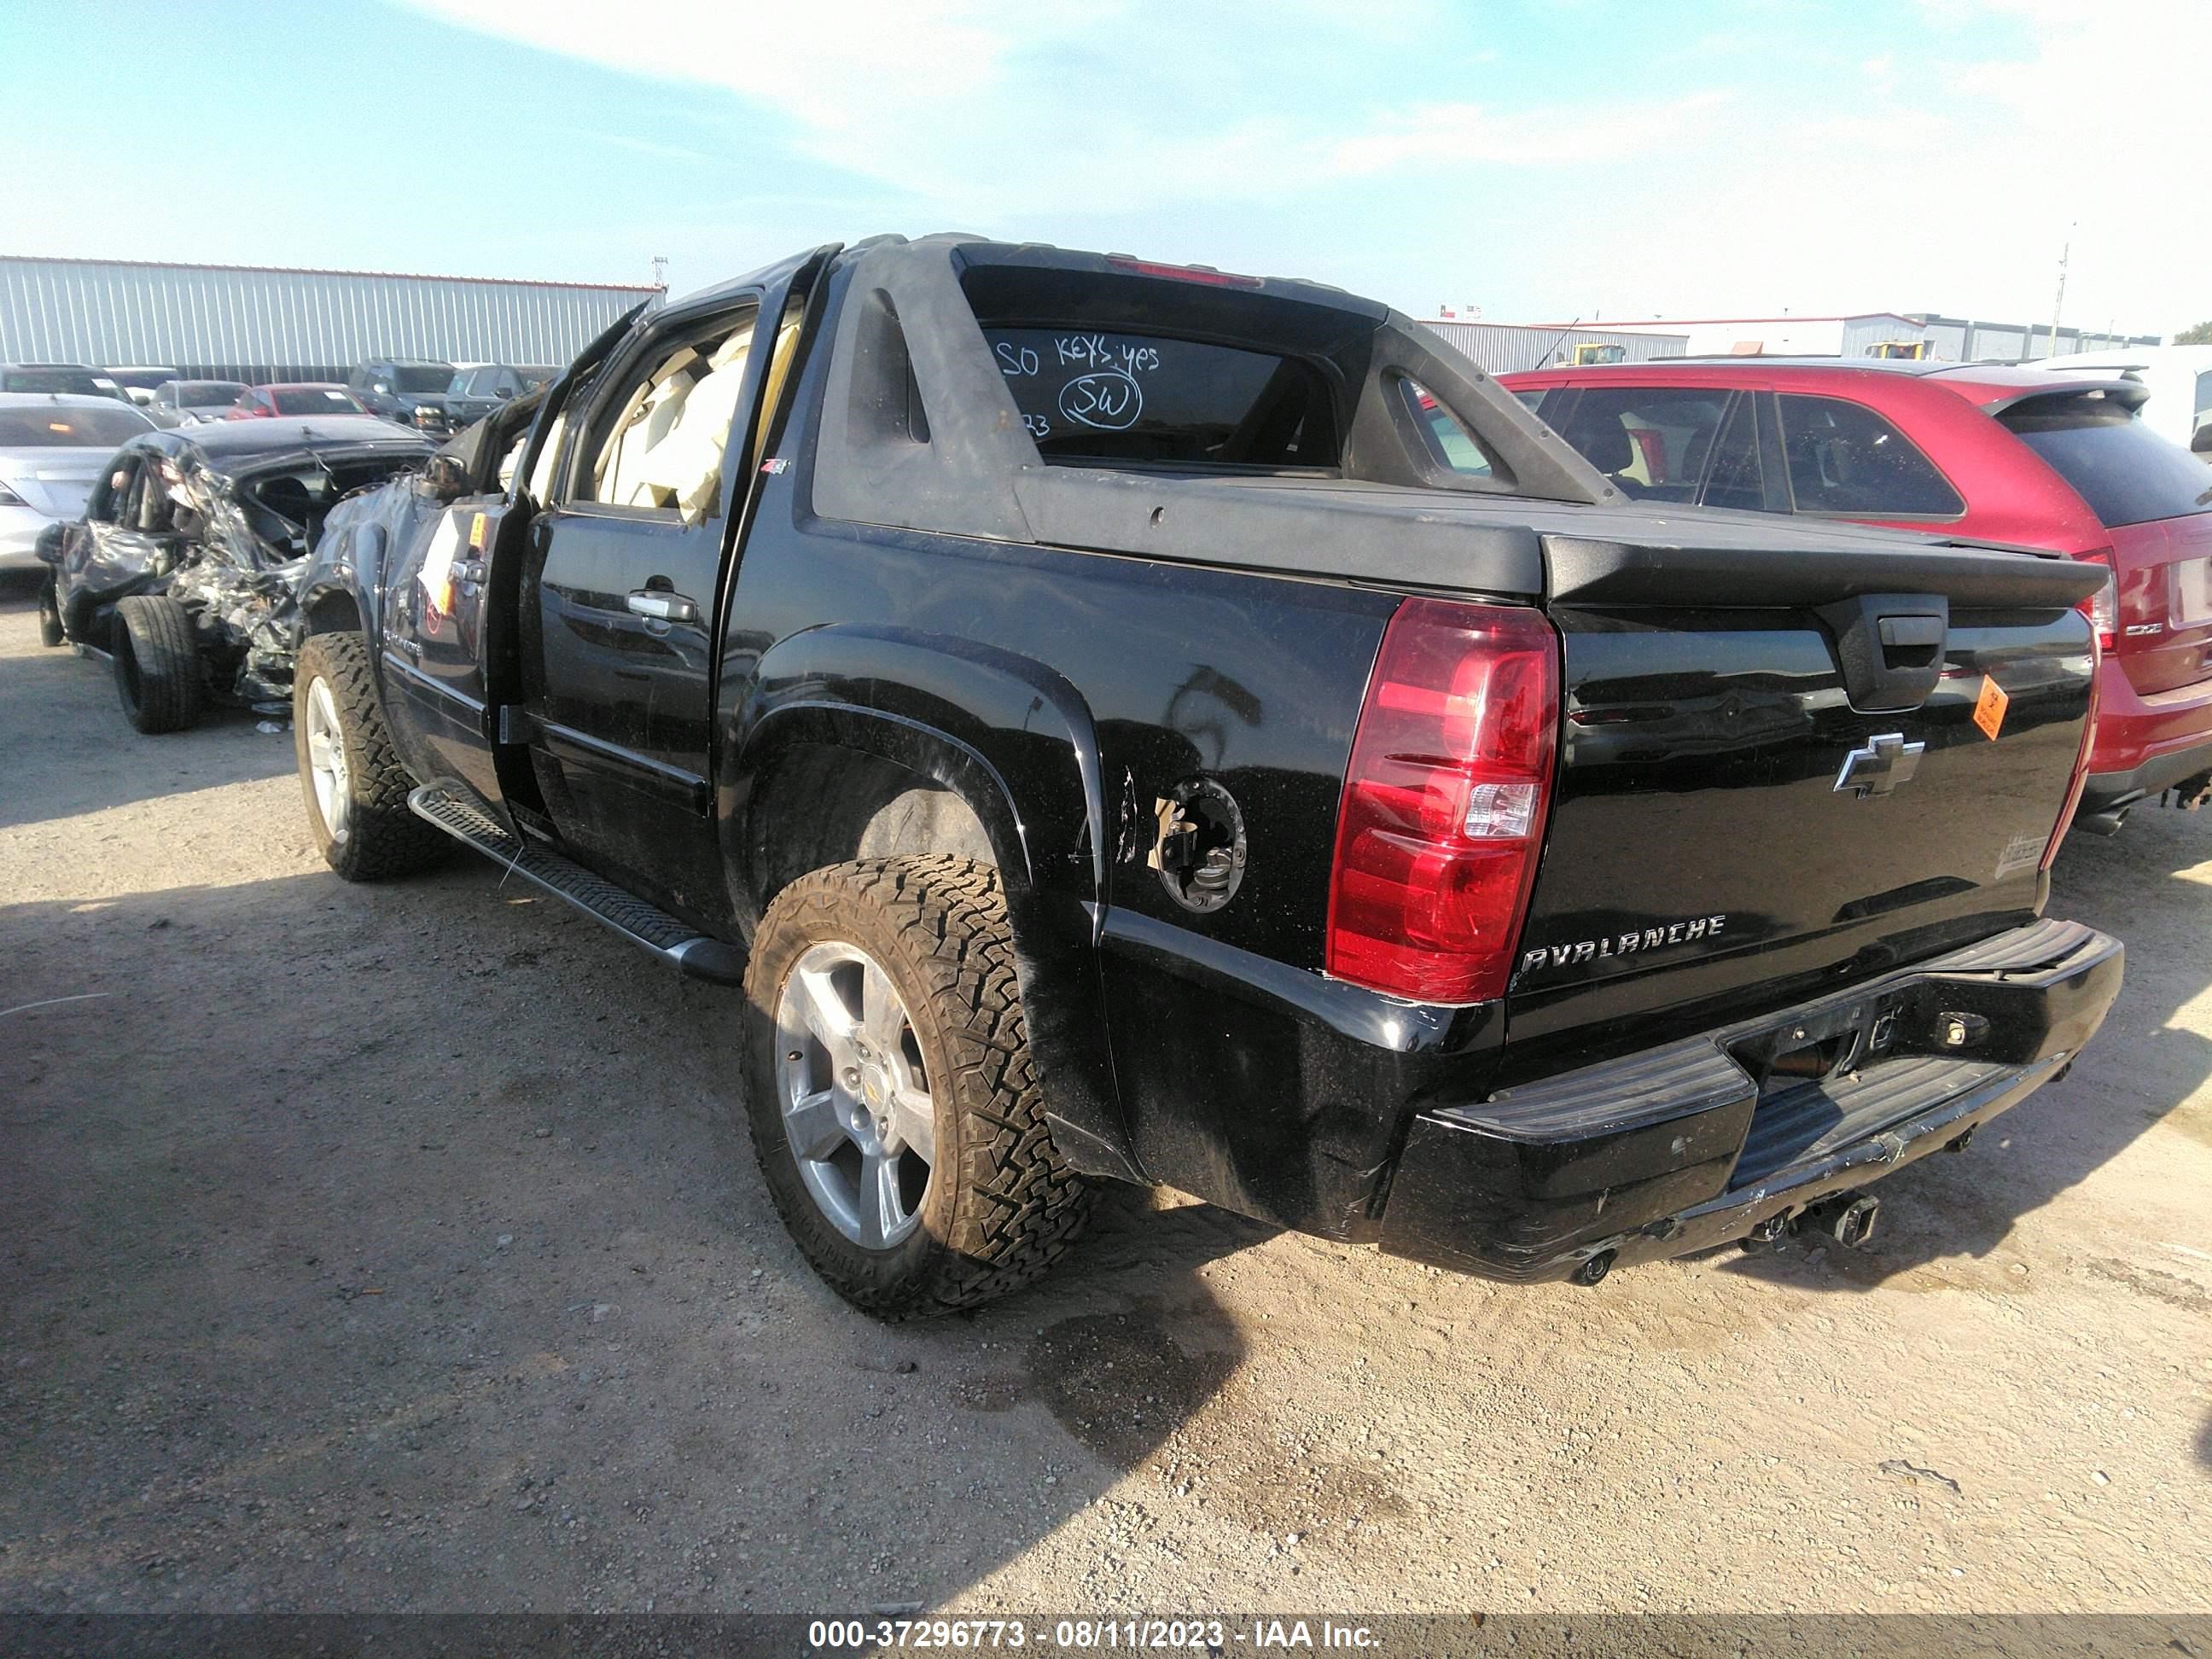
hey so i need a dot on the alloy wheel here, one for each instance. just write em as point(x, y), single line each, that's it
point(855, 1093)
point(326, 760)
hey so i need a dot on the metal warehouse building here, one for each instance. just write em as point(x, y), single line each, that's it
point(1887, 333)
point(1505, 348)
point(250, 323)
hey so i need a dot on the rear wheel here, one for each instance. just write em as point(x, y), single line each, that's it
point(349, 773)
point(50, 612)
point(891, 1092)
point(157, 662)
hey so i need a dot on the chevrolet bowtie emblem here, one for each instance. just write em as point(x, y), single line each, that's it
point(1878, 768)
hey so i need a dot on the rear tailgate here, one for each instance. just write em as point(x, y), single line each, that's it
point(2164, 569)
point(1771, 777)
point(2155, 499)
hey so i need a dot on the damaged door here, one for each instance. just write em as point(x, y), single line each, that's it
point(128, 542)
point(630, 552)
point(435, 620)
point(449, 635)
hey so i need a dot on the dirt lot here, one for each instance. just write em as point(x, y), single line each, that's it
point(388, 1248)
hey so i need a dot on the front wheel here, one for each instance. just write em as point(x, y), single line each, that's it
point(892, 1098)
point(50, 612)
point(349, 773)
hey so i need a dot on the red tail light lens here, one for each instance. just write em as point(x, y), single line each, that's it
point(2102, 607)
point(1444, 802)
point(1206, 273)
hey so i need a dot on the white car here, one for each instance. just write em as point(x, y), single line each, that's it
point(52, 448)
point(2180, 381)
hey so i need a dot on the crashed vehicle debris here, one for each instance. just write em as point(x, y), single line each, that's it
point(1133, 722)
point(182, 568)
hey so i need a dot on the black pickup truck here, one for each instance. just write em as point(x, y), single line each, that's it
point(1127, 721)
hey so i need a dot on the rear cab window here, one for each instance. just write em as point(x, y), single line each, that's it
point(1086, 394)
point(2126, 472)
point(1844, 457)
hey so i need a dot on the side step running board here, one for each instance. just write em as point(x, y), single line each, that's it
point(690, 951)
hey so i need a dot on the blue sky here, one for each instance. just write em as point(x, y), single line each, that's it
point(1538, 159)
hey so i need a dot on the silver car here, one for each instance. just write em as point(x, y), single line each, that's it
point(52, 447)
point(186, 402)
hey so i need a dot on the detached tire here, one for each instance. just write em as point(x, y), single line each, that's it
point(891, 1092)
point(49, 613)
point(354, 786)
point(157, 662)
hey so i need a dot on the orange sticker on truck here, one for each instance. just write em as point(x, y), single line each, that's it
point(1990, 708)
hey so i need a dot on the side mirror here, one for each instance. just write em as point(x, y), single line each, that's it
point(444, 479)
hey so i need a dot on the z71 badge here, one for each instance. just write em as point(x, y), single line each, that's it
point(1633, 943)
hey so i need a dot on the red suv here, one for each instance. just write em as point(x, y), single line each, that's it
point(265, 403)
point(1983, 452)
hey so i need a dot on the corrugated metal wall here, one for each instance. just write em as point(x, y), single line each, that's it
point(1504, 348)
point(1862, 334)
point(241, 323)
point(1961, 339)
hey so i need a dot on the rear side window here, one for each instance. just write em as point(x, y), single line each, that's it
point(1844, 457)
point(1124, 396)
point(73, 383)
point(67, 427)
point(2126, 471)
point(314, 400)
point(1737, 479)
point(1654, 442)
point(1450, 442)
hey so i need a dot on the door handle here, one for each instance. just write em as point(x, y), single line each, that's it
point(662, 606)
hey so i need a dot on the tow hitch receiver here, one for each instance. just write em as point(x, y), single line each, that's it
point(1847, 1217)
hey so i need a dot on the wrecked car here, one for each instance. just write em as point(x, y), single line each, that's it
point(1123, 721)
point(182, 567)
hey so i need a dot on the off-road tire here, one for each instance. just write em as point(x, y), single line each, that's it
point(49, 613)
point(157, 663)
point(1002, 1204)
point(383, 839)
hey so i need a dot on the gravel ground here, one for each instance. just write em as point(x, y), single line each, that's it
point(389, 1248)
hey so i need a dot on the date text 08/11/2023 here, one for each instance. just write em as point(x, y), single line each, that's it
point(1089, 1635)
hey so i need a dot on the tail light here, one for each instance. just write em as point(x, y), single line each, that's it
point(1444, 801)
point(1206, 273)
point(2102, 607)
point(2082, 758)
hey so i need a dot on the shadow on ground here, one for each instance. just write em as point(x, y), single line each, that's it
point(84, 756)
point(389, 1247)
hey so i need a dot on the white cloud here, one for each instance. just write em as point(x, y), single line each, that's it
point(985, 107)
point(1462, 135)
point(1943, 171)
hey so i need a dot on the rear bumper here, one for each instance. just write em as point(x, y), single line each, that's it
point(1700, 1142)
point(2145, 744)
point(2107, 792)
point(20, 529)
